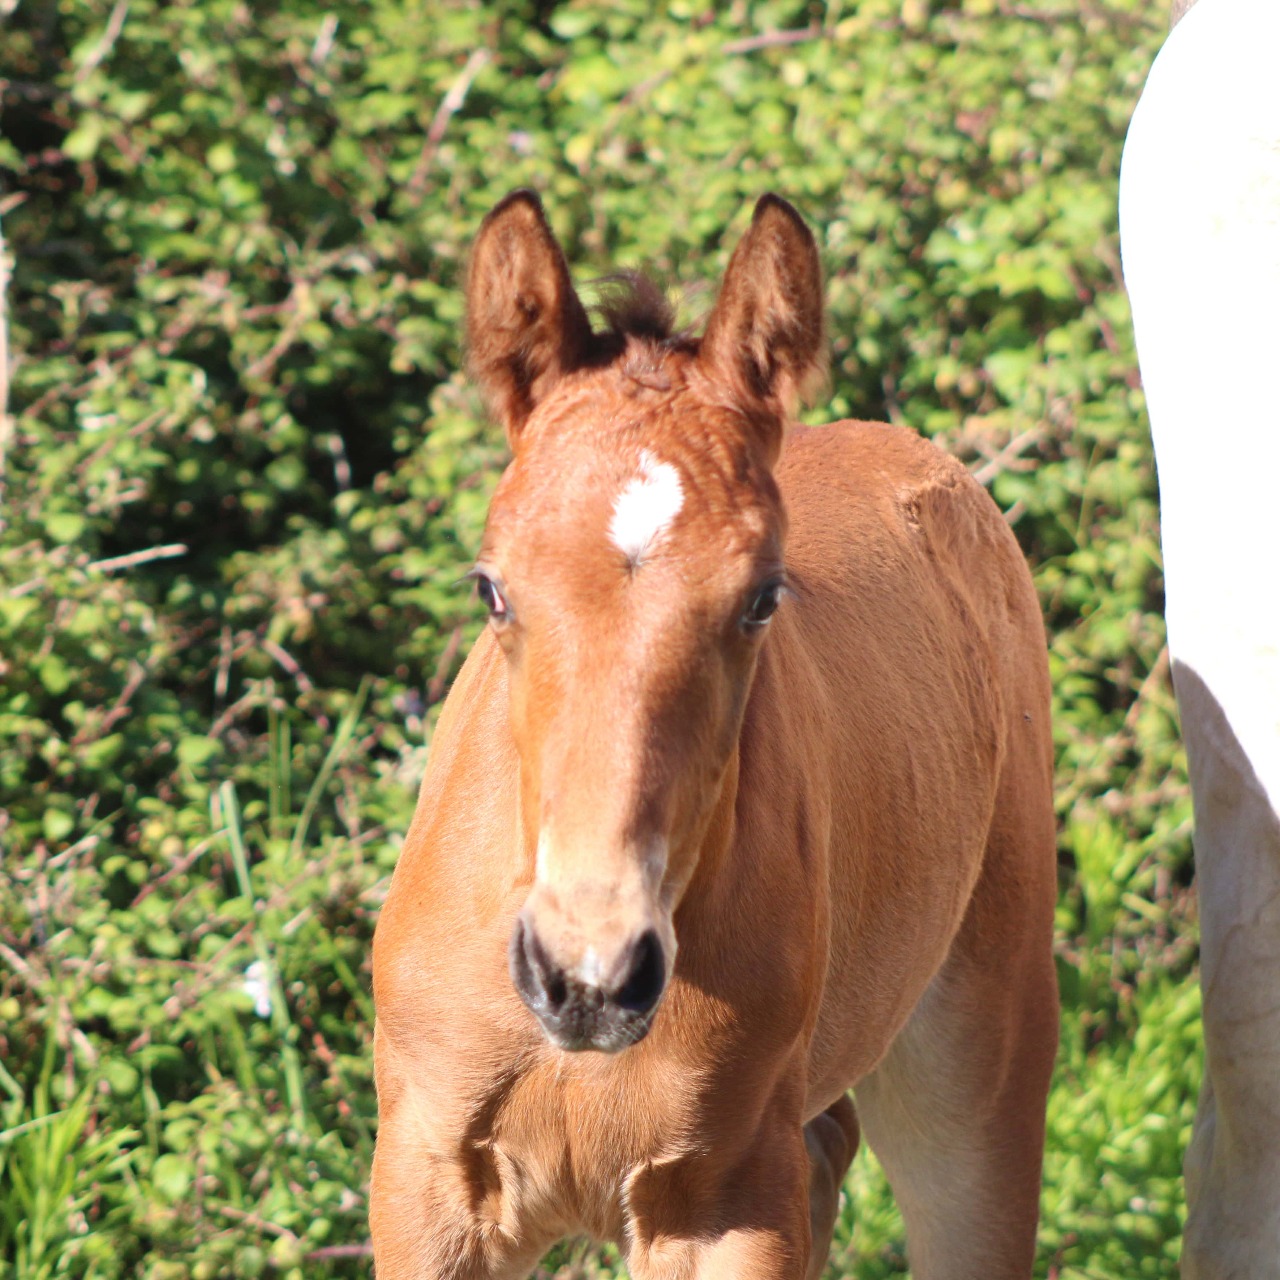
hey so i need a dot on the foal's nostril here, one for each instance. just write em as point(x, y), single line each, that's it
point(539, 981)
point(557, 992)
point(579, 1014)
point(643, 985)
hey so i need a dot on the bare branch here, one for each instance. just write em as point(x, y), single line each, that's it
point(255, 1220)
point(298, 308)
point(289, 663)
point(439, 681)
point(341, 1251)
point(113, 563)
point(449, 106)
point(90, 732)
point(324, 39)
point(999, 462)
point(115, 24)
point(731, 48)
point(6, 422)
point(772, 40)
point(109, 565)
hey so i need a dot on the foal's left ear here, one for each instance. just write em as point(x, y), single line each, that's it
point(526, 327)
point(765, 331)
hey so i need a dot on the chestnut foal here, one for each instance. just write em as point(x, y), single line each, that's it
point(741, 800)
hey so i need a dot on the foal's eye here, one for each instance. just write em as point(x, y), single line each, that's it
point(763, 605)
point(491, 597)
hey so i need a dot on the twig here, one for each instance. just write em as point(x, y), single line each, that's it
point(1086, 294)
point(449, 106)
point(109, 565)
point(119, 708)
point(891, 406)
point(21, 967)
point(139, 428)
point(1113, 747)
point(31, 584)
point(772, 40)
point(1158, 675)
point(289, 663)
point(112, 563)
point(222, 678)
point(731, 48)
point(183, 864)
point(1078, 12)
point(341, 463)
point(115, 24)
point(999, 462)
point(341, 1251)
point(324, 39)
point(256, 697)
point(255, 1220)
point(1118, 804)
point(6, 422)
point(86, 844)
point(298, 308)
point(213, 969)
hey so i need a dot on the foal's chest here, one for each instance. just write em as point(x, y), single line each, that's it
point(560, 1148)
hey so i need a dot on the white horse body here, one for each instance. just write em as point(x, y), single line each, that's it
point(1200, 230)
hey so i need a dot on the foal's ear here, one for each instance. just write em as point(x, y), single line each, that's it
point(526, 327)
point(765, 331)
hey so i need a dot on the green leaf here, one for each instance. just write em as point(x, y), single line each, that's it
point(64, 526)
point(171, 1175)
point(57, 825)
point(195, 751)
point(55, 674)
point(221, 157)
point(82, 142)
point(569, 24)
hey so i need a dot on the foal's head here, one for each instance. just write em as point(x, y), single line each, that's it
point(631, 563)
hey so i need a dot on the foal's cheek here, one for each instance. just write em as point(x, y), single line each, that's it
point(533, 703)
point(738, 672)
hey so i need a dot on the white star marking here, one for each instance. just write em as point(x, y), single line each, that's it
point(646, 507)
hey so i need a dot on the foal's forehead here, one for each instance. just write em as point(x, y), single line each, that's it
point(642, 474)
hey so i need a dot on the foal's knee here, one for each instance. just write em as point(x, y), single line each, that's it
point(832, 1137)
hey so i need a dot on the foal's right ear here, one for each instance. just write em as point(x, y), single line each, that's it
point(765, 331)
point(526, 327)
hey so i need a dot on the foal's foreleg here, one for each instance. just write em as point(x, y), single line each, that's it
point(767, 1216)
point(832, 1141)
point(955, 1113)
point(745, 1217)
point(432, 1217)
point(425, 1225)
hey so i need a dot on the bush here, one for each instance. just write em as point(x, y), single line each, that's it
point(245, 475)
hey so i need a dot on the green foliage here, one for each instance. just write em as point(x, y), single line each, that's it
point(50, 1165)
point(246, 474)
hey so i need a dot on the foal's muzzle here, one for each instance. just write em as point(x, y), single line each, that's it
point(605, 1011)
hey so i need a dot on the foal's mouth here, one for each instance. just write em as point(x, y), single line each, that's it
point(577, 1014)
point(605, 1032)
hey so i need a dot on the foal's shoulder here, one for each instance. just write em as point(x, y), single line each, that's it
point(867, 455)
point(887, 486)
point(872, 462)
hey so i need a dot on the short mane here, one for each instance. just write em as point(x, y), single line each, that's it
point(632, 305)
